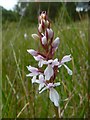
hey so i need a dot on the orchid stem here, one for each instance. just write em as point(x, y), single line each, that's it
point(56, 111)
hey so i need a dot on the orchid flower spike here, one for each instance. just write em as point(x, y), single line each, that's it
point(46, 72)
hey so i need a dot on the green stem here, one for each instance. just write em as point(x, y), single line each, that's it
point(56, 111)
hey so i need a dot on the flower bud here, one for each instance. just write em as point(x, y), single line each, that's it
point(50, 33)
point(43, 15)
point(56, 42)
point(47, 23)
point(44, 40)
point(32, 52)
point(35, 36)
point(40, 28)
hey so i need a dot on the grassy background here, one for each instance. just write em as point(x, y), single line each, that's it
point(19, 97)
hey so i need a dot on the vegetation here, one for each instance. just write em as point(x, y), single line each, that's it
point(20, 99)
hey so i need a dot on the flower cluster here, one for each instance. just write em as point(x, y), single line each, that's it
point(48, 67)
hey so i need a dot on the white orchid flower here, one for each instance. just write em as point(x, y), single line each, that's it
point(65, 59)
point(53, 94)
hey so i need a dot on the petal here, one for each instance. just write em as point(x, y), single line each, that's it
point(66, 59)
point(41, 62)
point(30, 68)
point(43, 89)
point(49, 61)
point(38, 57)
point(41, 86)
point(32, 74)
point(68, 70)
point(54, 96)
point(44, 40)
point(34, 80)
point(48, 72)
point(41, 78)
point(35, 36)
point(56, 42)
point(32, 52)
point(55, 62)
point(50, 33)
point(56, 84)
point(59, 65)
